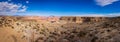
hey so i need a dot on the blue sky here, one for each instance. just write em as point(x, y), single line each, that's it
point(69, 7)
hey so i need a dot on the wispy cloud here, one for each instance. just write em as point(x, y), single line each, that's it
point(11, 8)
point(105, 2)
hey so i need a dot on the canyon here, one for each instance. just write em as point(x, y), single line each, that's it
point(59, 29)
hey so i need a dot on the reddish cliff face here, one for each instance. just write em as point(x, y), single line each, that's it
point(83, 19)
point(53, 18)
point(41, 18)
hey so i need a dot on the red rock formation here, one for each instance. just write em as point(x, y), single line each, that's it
point(41, 18)
point(53, 18)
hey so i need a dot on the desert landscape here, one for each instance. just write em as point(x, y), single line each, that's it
point(59, 29)
point(59, 20)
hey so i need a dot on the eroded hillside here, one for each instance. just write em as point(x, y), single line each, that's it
point(16, 29)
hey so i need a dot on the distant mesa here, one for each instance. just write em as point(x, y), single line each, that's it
point(41, 18)
point(77, 19)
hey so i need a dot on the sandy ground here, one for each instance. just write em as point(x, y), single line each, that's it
point(9, 35)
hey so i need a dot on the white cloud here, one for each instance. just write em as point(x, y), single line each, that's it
point(9, 0)
point(23, 9)
point(10, 8)
point(105, 2)
point(27, 1)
